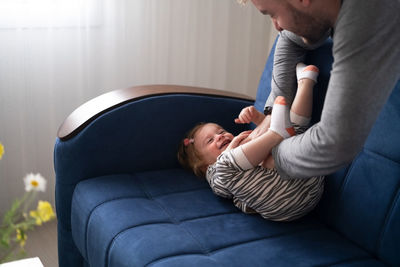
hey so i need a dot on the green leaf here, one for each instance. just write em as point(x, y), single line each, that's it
point(12, 213)
point(4, 243)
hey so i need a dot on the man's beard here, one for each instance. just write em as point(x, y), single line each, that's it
point(310, 28)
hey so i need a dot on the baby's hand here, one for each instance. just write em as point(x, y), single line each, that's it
point(250, 114)
point(238, 140)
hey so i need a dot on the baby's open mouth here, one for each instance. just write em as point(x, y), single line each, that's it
point(225, 143)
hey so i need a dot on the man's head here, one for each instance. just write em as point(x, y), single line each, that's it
point(310, 19)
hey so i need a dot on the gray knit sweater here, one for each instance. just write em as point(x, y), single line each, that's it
point(366, 51)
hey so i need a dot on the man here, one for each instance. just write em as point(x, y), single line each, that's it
point(366, 51)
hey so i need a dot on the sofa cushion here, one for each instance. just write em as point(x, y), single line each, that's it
point(172, 218)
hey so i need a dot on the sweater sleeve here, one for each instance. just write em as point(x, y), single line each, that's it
point(366, 68)
point(290, 50)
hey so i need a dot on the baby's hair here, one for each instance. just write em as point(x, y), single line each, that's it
point(188, 156)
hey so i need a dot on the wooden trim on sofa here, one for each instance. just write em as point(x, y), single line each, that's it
point(92, 109)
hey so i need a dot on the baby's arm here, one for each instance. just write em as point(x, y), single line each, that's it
point(238, 140)
point(259, 149)
point(250, 114)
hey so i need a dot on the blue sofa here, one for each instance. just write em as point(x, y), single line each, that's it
point(123, 200)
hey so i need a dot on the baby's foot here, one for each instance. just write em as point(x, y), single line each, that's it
point(309, 72)
point(280, 121)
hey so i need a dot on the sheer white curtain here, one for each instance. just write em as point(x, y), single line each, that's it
point(57, 54)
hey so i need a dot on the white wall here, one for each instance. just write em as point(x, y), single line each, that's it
point(48, 67)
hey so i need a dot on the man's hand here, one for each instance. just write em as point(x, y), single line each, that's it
point(250, 114)
point(261, 128)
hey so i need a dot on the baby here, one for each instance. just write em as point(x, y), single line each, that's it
point(236, 167)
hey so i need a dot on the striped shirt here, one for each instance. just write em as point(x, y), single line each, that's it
point(262, 190)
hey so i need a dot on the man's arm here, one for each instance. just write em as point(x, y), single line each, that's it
point(365, 70)
point(290, 50)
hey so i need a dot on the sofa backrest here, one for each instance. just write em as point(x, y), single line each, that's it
point(362, 200)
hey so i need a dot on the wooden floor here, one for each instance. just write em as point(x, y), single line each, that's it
point(42, 243)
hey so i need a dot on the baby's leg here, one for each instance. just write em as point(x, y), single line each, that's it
point(258, 149)
point(300, 112)
point(280, 120)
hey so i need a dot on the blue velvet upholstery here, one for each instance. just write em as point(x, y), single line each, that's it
point(123, 200)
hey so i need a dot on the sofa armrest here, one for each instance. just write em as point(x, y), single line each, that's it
point(94, 108)
point(137, 129)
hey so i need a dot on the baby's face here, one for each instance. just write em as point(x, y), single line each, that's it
point(211, 140)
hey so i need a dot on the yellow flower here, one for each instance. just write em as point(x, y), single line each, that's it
point(46, 211)
point(35, 182)
point(35, 214)
point(21, 237)
point(1, 150)
point(43, 213)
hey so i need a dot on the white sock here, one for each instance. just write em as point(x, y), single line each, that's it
point(280, 121)
point(309, 72)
